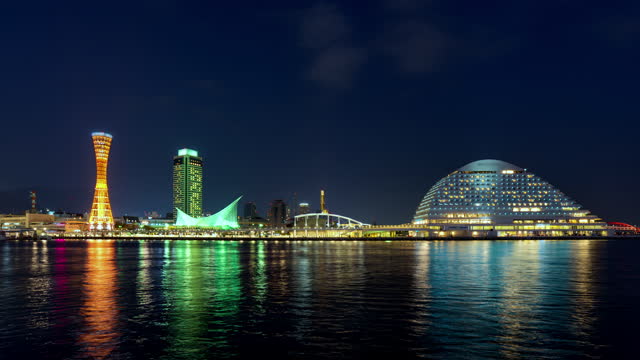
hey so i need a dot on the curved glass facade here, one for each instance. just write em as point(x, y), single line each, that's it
point(493, 195)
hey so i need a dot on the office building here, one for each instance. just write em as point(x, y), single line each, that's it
point(277, 213)
point(250, 210)
point(303, 208)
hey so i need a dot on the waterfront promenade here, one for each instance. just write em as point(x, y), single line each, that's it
point(369, 233)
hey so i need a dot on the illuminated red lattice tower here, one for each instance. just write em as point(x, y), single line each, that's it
point(101, 218)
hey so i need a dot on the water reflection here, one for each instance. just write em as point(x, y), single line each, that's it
point(145, 299)
point(421, 288)
point(185, 285)
point(100, 336)
point(62, 288)
point(226, 291)
point(258, 268)
point(520, 296)
point(302, 299)
point(197, 299)
point(39, 284)
point(204, 291)
point(584, 276)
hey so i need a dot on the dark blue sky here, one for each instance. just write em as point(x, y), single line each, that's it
point(373, 101)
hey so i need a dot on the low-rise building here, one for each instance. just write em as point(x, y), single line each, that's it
point(26, 220)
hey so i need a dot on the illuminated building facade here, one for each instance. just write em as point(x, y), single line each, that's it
point(226, 218)
point(250, 210)
point(187, 183)
point(303, 208)
point(323, 207)
point(28, 220)
point(100, 217)
point(277, 213)
point(497, 199)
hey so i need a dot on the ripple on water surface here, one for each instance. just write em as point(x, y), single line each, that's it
point(434, 299)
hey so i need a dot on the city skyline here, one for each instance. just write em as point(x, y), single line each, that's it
point(262, 209)
point(319, 179)
point(371, 102)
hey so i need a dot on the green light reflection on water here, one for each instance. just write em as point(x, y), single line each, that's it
point(203, 291)
point(144, 277)
point(260, 276)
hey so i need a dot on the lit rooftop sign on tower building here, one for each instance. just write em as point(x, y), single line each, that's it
point(188, 152)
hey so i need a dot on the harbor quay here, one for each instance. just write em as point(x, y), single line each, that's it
point(380, 232)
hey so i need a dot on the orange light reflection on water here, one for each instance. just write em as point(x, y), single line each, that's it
point(100, 312)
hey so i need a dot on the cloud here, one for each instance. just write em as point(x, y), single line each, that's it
point(323, 26)
point(326, 33)
point(405, 5)
point(336, 67)
point(415, 38)
point(621, 31)
point(415, 46)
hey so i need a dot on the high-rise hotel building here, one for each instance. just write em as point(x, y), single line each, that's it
point(187, 183)
point(494, 198)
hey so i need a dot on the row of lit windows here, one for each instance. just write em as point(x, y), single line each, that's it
point(529, 182)
point(471, 195)
point(467, 215)
point(489, 173)
point(501, 189)
point(454, 221)
point(430, 213)
point(498, 179)
point(459, 199)
point(539, 223)
point(467, 202)
point(493, 207)
point(538, 227)
point(467, 198)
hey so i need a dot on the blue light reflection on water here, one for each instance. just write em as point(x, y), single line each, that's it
point(436, 299)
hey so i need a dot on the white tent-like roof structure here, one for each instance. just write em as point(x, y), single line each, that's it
point(226, 218)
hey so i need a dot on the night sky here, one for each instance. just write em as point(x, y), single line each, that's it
point(374, 101)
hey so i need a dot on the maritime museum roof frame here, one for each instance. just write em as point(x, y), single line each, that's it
point(226, 218)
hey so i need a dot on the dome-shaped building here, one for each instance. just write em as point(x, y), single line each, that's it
point(489, 198)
